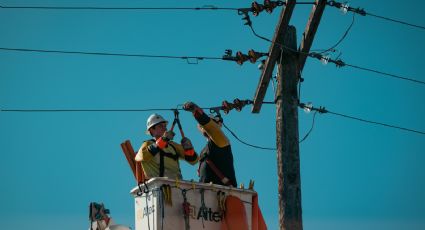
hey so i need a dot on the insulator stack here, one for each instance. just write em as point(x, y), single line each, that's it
point(237, 104)
point(268, 6)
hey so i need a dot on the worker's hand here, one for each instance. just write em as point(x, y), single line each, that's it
point(194, 108)
point(168, 135)
point(187, 146)
point(190, 106)
point(186, 143)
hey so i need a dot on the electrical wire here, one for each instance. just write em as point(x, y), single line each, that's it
point(311, 129)
point(127, 110)
point(187, 58)
point(259, 36)
point(396, 21)
point(113, 110)
point(245, 143)
point(377, 123)
point(362, 12)
point(115, 8)
point(340, 63)
point(342, 38)
point(386, 74)
point(83, 110)
point(323, 110)
point(205, 7)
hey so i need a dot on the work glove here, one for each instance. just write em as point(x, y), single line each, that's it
point(186, 143)
point(166, 137)
point(187, 146)
point(192, 107)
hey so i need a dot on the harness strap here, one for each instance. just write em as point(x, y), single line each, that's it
point(224, 179)
point(161, 163)
point(163, 154)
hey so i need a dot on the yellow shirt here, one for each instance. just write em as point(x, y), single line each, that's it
point(151, 161)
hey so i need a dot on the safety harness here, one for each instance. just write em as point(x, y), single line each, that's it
point(163, 154)
point(223, 178)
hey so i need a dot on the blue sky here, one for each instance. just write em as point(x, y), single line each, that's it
point(354, 175)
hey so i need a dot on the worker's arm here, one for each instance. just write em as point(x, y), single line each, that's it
point(212, 129)
point(191, 159)
point(148, 150)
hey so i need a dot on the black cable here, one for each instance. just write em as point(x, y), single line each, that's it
point(107, 110)
point(112, 54)
point(323, 110)
point(206, 7)
point(115, 8)
point(253, 31)
point(243, 142)
point(340, 63)
point(397, 21)
point(364, 13)
point(274, 43)
point(377, 123)
point(342, 38)
point(83, 110)
point(311, 129)
point(386, 74)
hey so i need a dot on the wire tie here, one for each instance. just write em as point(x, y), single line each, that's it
point(195, 60)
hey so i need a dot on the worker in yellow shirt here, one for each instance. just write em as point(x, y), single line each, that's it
point(160, 156)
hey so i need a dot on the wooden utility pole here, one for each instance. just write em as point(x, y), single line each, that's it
point(288, 155)
point(291, 63)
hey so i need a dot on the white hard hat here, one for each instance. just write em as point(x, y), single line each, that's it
point(153, 120)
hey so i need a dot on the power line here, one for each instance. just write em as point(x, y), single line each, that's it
point(211, 109)
point(203, 8)
point(127, 110)
point(340, 63)
point(323, 110)
point(377, 123)
point(397, 21)
point(385, 74)
point(86, 110)
point(82, 110)
point(115, 8)
point(346, 8)
point(241, 11)
point(189, 59)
